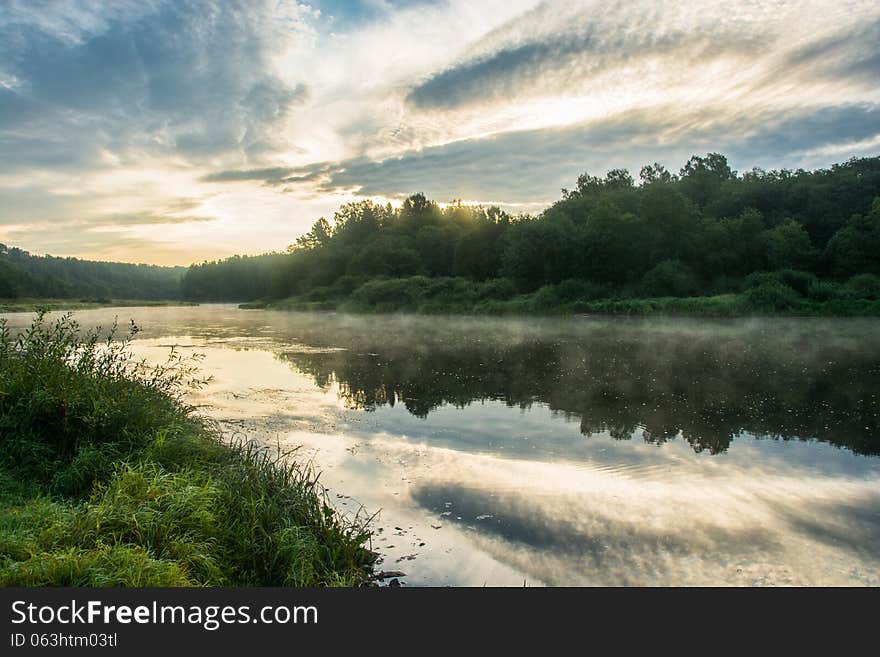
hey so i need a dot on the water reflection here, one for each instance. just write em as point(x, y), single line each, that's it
point(578, 451)
point(809, 380)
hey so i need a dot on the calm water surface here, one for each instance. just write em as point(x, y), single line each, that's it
point(557, 452)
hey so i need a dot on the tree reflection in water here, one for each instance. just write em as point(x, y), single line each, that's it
point(707, 382)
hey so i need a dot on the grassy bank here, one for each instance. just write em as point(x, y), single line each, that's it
point(108, 478)
point(33, 305)
point(784, 292)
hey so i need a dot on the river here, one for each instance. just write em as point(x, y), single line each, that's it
point(575, 451)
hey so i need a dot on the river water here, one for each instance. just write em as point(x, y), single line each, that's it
point(577, 451)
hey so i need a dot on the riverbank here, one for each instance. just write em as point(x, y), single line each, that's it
point(108, 478)
point(33, 305)
point(770, 294)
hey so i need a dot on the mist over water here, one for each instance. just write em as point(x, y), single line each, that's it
point(564, 451)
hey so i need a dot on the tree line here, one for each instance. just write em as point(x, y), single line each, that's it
point(23, 275)
point(707, 230)
point(777, 236)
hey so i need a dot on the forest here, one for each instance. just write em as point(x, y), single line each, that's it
point(707, 239)
point(23, 275)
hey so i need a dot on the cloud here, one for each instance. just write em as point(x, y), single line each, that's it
point(492, 168)
point(784, 137)
point(578, 46)
point(147, 218)
point(272, 175)
point(269, 175)
point(850, 54)
point(69, 210)
point(267, 111)
point(191, 79)
point(343, 14)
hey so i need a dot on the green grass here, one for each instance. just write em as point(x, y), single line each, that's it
point(34, 305)
point(108, 478)
point(785, 292)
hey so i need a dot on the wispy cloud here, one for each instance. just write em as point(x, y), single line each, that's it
point(575, 47)
point(492, 167)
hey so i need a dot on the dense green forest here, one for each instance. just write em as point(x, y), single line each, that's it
point(708, 240)
point(23, 275)
point(760, 240)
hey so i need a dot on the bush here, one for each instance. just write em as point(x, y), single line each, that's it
point(726, 305)
point(317, 294)
point(546, 298)
point(725, 285)
point(822, 291)
point(864, 286)
point(496, 288)
point(799, 281)
point(107, 478)
point(580, 290)
point(451, 290)
point(71, 405)
point(771, 295)
point(345, 285)
point(391, 294)
point(562, 295)
point(759, 278)
point(670, 278)
point(521, 305)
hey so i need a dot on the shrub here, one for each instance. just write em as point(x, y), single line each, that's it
point(345, 285)
point(496, 288)
point(391, 294)
point(107, 478)
point(822, 291)
point(579, 289)
point(864, 286)
point(770, 295)
point(72, 404)
point(319, 294)
point(799, 281)
point(451, 290)
point(758, 278)
point(546, 298)
point(670, 278)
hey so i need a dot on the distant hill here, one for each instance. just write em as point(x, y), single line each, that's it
point(23, 275)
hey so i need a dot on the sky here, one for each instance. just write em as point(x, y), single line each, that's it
point(170, 131)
